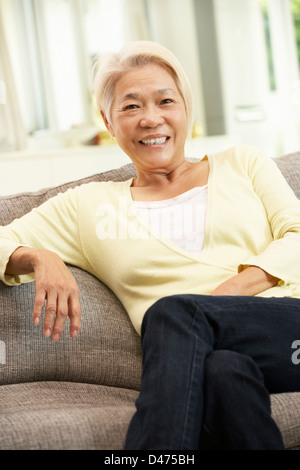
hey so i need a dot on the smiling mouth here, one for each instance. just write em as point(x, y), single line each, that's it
point(158, 141)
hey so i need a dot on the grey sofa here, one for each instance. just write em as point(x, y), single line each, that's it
point(80, 394)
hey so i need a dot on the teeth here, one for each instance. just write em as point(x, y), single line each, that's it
point(162, 140)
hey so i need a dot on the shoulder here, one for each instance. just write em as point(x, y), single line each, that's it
point(239, 154)
point(108, 191)
point(102, 186)
point(241, 158)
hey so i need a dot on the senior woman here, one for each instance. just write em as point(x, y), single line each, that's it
point(203, 255)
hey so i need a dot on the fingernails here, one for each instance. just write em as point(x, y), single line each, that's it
point(36, 320)
point(47, 333)
point(74, 333)
point(55, 337)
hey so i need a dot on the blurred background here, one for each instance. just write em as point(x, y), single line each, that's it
point(242, 58)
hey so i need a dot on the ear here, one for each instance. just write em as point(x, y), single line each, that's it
point(107, 123)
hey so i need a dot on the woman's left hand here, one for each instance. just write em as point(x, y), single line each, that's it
point(251, 281)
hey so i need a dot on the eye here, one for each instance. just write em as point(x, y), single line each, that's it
point(166, 101)
point(130, 106)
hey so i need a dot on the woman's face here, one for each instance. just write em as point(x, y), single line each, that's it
point(148, 118)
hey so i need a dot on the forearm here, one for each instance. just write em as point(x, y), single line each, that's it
point(22, 261)
point(251, 281)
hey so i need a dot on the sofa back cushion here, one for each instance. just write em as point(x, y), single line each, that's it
point(289, 166)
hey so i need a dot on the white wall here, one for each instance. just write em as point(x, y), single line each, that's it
point(261, 117)
point(244, 70)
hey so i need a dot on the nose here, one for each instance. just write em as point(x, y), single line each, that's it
point(152, 117)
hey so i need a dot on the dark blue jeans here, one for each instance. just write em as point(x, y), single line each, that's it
point(209, 366)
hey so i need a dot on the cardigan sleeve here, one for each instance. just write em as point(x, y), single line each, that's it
point(53, 226)
point(282, 256)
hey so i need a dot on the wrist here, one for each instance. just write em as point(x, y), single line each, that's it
point(23, 260)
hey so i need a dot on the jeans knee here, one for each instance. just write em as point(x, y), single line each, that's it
point(224, 367)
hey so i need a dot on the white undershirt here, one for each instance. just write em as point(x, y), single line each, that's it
point(180, 219)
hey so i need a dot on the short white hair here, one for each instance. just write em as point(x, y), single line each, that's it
point(111, 67)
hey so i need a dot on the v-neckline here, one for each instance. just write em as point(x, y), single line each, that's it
point(209, 215)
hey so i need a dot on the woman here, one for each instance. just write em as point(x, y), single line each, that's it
point(204, 257)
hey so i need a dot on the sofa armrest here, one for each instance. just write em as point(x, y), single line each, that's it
point(107, 350)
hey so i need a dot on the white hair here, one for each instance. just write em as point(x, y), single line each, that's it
point(111, 67)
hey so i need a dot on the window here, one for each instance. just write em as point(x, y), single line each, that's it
point(244, 77)
point(295, 8)
point(266, 22)
point(51, 44)
point(2, 102)
point(103, 24)
point(50, 48)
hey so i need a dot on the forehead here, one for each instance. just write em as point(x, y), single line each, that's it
point(148, 78)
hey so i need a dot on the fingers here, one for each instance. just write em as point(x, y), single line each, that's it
point(55, 315)
point(61, 303)
point(75, 315)
point(40, 298)
point(55, 286)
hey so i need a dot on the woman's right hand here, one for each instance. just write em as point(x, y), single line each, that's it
point(54, 285)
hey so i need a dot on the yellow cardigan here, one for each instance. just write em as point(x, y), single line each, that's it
point(253, 218)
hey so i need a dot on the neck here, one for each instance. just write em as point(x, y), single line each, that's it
point(160, 177)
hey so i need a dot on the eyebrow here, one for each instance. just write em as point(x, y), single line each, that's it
point(134, 96)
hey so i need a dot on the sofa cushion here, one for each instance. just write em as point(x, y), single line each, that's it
point(289, 165)
point(77, 416)
point(107, 351)
point(286, 412)
point(60, 415)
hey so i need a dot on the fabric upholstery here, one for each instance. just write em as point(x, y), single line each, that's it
point(289, 165)
point(62, 415)
point(286, 411)
point(80, 394)
point(101, 354)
